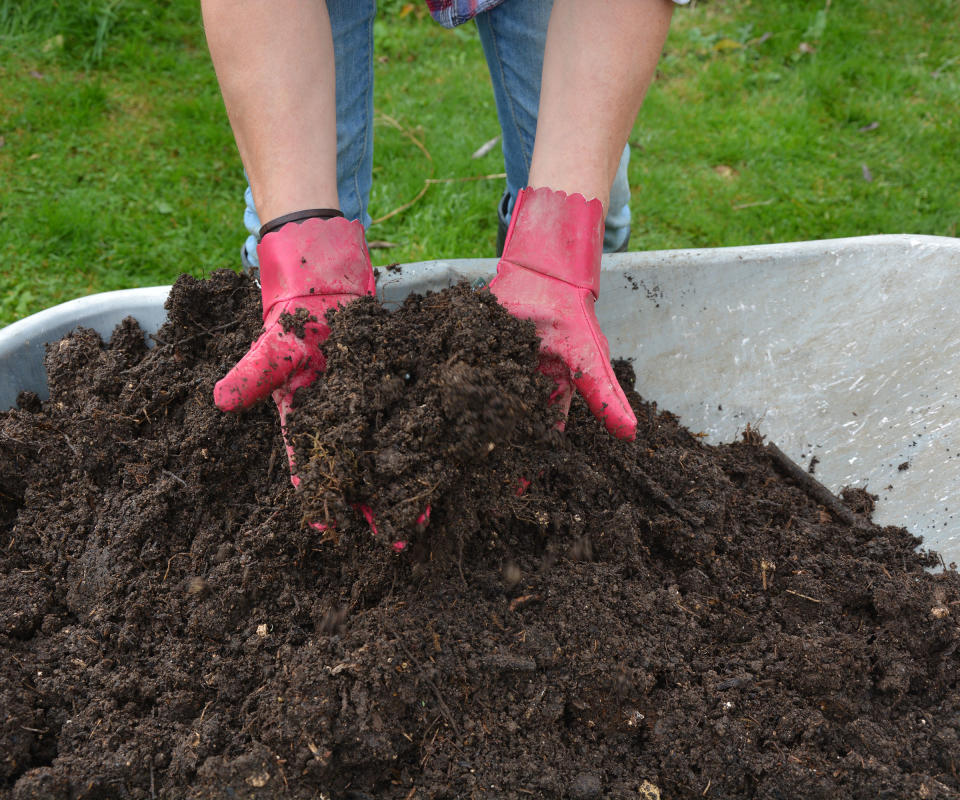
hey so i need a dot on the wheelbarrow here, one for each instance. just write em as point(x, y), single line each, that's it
point(842, 352)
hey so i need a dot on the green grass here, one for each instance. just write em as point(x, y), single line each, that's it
point(117, 167)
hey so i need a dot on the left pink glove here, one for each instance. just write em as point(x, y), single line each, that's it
point(306, 268)
point(550, 274)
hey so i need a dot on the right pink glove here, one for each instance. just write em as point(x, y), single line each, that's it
point(306, 268)
point(550, 274)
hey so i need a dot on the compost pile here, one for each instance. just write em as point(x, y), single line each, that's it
point(579, 617)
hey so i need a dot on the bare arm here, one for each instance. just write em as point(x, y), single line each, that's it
point(274, 62)
point(600, 59)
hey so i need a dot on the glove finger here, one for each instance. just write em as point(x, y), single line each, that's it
point(595, 380)
point(267, 366)
point(283, 398)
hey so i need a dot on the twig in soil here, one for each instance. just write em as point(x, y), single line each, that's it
point(427, 748)
point(445, 710)
point(659, 494)
point(420, 496)
point(273, 461)
point(814, 488)
point(463, 578)
point(804, 596)
point(177, 478)
point(533, 705)
point(204, 332)
point(169, 562)
point(523, 600)
point(210, 332)
point(765, 567)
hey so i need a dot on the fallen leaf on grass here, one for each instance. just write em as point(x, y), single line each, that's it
point(53, 43)
point(725, 171)
point(867, 174)
point(871, 127)
point(725, 45)
point(485, 148)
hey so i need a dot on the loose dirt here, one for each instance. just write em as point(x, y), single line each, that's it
point(579, 617)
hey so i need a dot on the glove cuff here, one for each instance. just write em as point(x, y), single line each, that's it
point(297, 216)
point(314, 257)
point(557, 235)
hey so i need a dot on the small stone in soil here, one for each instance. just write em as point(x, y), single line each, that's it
point(586, 786)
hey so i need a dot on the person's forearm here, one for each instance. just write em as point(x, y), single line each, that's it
point(600, 59)
point(274, 61)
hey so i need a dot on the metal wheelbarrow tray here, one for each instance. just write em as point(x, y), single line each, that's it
point(842, 352)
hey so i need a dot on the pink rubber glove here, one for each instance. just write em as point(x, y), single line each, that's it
point(550, 274)
point(306, 268)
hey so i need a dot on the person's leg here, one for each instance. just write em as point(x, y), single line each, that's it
point(351, 23)
point(513, 36)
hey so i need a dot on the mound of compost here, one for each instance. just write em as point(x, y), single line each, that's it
point(531, 614)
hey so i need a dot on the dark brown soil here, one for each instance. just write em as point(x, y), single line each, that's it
point(659, 618)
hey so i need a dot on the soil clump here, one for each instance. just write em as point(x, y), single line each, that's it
point(532, 614)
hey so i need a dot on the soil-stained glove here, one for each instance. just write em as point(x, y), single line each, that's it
point(306, 268)
point(550, 274)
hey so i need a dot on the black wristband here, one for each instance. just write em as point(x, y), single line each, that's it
point(299, 216)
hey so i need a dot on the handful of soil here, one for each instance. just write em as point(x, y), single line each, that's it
point(658, 618)
point(427, 407)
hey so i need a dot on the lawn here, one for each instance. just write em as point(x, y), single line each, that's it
point(771, 121)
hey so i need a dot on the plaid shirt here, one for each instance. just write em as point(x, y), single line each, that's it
point(451, 13)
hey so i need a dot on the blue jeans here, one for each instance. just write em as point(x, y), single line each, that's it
point(513, 36)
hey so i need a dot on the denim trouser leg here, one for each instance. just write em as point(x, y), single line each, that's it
point(352, 23)
point(513, 36)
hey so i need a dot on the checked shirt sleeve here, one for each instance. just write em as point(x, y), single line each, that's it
point(451, 13)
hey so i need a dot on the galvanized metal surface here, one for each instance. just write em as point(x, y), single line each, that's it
point(841, 350)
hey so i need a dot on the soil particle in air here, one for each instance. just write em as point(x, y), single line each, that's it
point(579, 617)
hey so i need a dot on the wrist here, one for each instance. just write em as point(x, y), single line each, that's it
point(314, 257)
point(557, 235)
